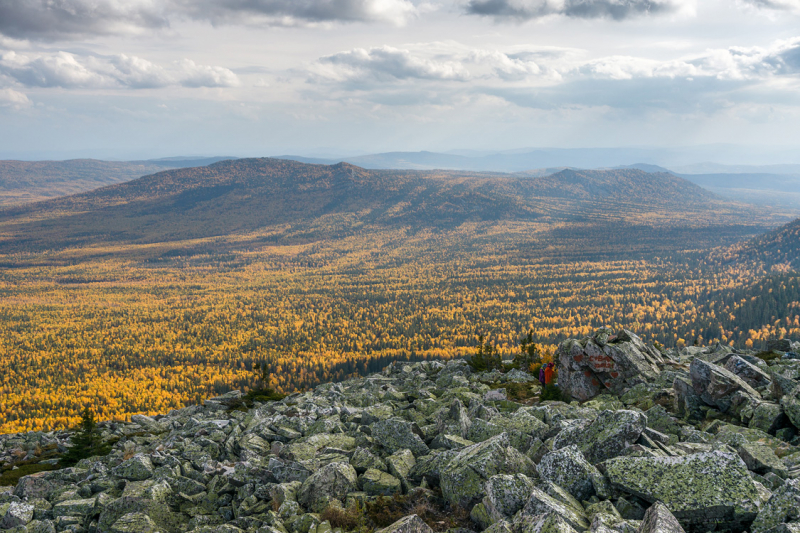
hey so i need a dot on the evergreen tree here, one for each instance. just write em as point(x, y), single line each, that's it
point(86, 442)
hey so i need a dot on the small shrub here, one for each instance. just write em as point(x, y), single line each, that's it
point(10, 478)
point(769, 356)
point(346, 519)
point(551, 393)
point(428, 505)
point(518, 392)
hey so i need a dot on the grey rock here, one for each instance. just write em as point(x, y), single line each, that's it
point(408, 524)
point(568, 468)
point(397, 434)
point(462, 479)
point(134, 523)
point(377, 483)
point(715, 385)
point(658, 519)
point(541, 503)
point(605, 437)
point(750, 373)
point(331, 482)
point(699, 489)
point(783, 506)
point(505, 495)
point(137, 468)
point(17, 514)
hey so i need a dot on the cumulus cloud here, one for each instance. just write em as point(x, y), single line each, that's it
point(389, 64)
point(194, 75)
point(296, 12)
point(65, 70)
point(14, 99)
point(63, 19)
point(55, 19)
point(531, 9)
point(783, 5)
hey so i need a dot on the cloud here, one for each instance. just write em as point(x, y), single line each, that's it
point(56, 19)
point(14, 99)
point(297, 12)
point(782, 5)
point(389, 64)
point(193, 75)
point(523, 10)
point(65, 70)
point(64, 19)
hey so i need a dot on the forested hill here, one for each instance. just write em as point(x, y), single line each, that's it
point(779, 248)
point(244, 195)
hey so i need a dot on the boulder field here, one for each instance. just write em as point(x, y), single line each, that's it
point(646, 440)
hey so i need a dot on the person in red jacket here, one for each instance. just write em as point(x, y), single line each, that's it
point(548, 373)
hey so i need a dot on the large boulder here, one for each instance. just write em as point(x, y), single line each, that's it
point(408, 524)
point(700, 490)
point(18, 514)
point(783, 506)
point(505, 495)
point(750, 373)
point(605, 361)
point(463, 478)
point(791, 406)
point(568, 468)
point(331, 482)
point(137, 468)
point(541, 503)
point(396, 434)
point(715, 385)
point(658, 519)
point(605, 437)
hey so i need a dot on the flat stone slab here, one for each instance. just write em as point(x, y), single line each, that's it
point(698, 489)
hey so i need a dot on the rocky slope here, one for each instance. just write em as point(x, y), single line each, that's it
point(651, 441)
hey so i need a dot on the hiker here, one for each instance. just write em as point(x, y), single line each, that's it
point(548, 373)
point(541, 374)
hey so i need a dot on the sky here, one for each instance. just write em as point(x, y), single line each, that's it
point(131, 79)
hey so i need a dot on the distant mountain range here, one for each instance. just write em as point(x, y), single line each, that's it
point(774, 185)
point(243, 195)
point(32, 181)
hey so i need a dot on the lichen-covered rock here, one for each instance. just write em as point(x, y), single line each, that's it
point(137, 468)
point(761, 459)
point(397, 434)
point(783, 506)
point(134, 523)
point(548, 523)
point(750, 373)
point(605, 437)
point(408, 524)
point(331, 482)
point(463, 478)
point(541, 503)
point(604, 362)
point(377, 483)
point(80, 508)
point(658, 519)
point(568, 468)
point(699, 489)
point(505, 495)
point(715, 385)
point(768, 417)
point(362, 460)
point(17, 514)
point(791, 406)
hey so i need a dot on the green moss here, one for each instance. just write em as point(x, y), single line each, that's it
point(9, 478)
point(769, 356)
point(256, 395)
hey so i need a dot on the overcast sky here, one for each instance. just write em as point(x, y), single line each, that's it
point(155, 78)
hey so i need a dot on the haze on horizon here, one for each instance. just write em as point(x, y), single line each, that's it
point(144, 78)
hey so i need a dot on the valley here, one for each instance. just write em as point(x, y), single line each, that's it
point(163, 291)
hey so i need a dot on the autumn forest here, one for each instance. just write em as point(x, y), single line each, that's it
point(148, 325)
